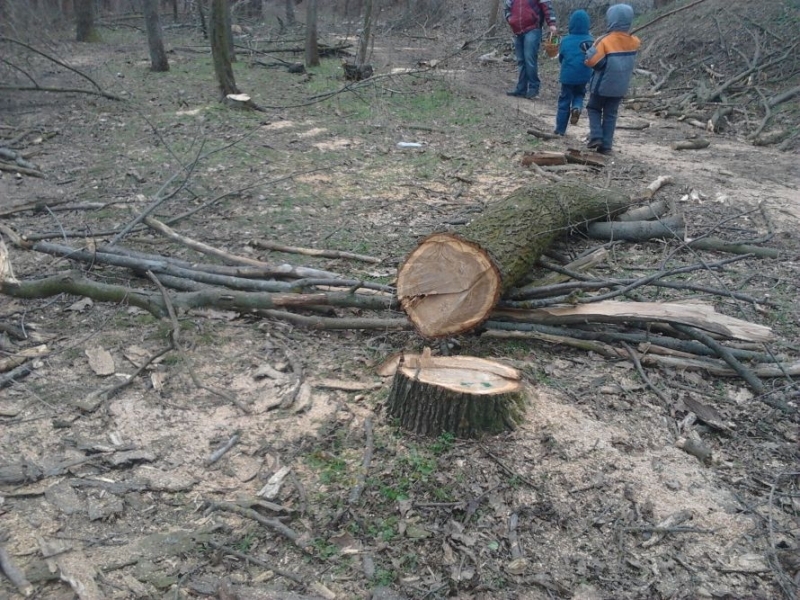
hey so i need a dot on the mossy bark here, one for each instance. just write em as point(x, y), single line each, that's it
point(516, 230)
point(450, 282)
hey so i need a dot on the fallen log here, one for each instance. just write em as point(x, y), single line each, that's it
point(450, 282)
point(467, 396)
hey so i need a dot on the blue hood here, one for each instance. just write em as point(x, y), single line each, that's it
point(619, 18)
point(579, 22)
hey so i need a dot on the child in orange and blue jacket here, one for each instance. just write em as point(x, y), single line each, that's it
point(574, 74)
point(613, 57)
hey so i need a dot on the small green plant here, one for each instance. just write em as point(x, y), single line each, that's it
point(383, 577)
point(444, 443)
point(325, 549)
point(244, 544)
point(332, 469)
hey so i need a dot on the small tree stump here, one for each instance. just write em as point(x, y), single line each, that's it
point(467, 396)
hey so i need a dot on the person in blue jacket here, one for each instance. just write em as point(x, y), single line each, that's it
point(574, 74)
point(613, 58)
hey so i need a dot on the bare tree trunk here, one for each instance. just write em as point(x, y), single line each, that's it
point(291, 20)
point(84, 21)
point(494, 8)
point(201, 13)
point(312, 49)
point(228, 25)
point(155, 40)
point(220, 48)
point(366, 34)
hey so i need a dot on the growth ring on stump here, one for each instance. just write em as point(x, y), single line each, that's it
point(463, 395)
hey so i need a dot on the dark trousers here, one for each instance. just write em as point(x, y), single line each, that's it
point(602, 112)
point(571, 96)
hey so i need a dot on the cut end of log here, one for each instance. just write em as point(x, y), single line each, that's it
point(447, 285)
point(467, 396)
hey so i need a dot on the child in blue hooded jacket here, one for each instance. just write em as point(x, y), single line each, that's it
point(574, 73)
point(612, 57)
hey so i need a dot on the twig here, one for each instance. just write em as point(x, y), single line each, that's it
point(752, 380)
point(357, 490)
point(667, 14)
point(256, 561)
point(6, 379)
point(665, 402)
point(175, 340)
point(220, 452)
point(266, 245)
point(14, 574)
point(508, 469)
point(274, 524)
point(57, 90)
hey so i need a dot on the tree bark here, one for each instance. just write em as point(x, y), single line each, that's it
point(155, 40)
point(312, 46)
point(463, 395)
point(84, 21)
point(450, 282)
point(366, 34)
point(291, 20)
point(220, 48)
point(494, 8)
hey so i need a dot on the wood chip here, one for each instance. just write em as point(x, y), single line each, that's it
point(100, 361)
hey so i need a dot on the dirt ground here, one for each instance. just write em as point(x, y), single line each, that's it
point(590, 498)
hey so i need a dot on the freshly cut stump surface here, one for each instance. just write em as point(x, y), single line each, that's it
point(464, 395)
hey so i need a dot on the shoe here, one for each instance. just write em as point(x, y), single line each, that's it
point(605, 151)
point(574, 116)
point(594, 144)
point(559, 133)
point(514, 93)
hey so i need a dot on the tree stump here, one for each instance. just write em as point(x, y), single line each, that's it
point(467, 396)
point(451, 281)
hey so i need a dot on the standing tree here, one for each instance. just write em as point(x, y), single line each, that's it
point(366, 34)
point(228, 28)
point(494, 8)
point(84, 18)
point(291, 20)
point(220, 48)
point(312, 49)
point(155, 40)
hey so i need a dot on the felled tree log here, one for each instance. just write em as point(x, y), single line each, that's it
point(450, 282)
point(467, 396)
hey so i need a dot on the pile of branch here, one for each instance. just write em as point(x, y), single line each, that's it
point(569, 307)
point(716, 95)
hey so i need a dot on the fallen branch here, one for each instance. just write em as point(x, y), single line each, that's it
point(274, 524)
point(14, 574)
point(247, 558)
point(637, 231)
point(702, 316)
point(752, 380)
point(696, 144)
point(315, 252)
point(175, 340)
